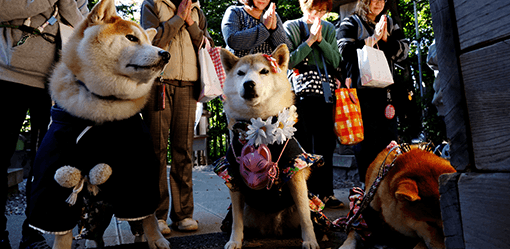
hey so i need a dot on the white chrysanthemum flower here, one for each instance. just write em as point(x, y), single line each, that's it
point(260, 132)
point(265, 132)
point(285, 127)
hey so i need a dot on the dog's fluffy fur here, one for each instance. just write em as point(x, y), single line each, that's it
point(408, 197)
point(114, 58)
point(253, 90)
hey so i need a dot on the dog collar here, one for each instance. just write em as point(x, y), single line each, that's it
point(111, 97)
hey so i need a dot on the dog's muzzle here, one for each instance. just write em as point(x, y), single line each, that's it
point(249, 90)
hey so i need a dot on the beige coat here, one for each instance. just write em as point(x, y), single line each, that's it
point(30, 63)
point(175, 36)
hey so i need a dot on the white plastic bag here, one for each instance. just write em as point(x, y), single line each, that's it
point(210, 83)
point(374, 68)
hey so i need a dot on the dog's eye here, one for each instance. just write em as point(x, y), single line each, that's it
point(264, 71)
point(132, 38)
point(240, 73)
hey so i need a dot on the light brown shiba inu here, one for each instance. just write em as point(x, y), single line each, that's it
point(106, 71)
point(257, 87)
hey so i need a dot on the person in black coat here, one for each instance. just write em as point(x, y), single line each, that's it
point(370, 26)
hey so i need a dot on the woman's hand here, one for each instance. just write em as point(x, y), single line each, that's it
point(269, 18)
point(315, 32)
point(184, 11)
point(381, 29)
point(380, 32)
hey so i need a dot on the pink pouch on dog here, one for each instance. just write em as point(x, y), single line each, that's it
point(256, 167)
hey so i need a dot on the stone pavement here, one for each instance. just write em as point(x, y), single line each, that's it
point(211, 198)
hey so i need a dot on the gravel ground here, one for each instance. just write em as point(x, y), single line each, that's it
point(17, 203)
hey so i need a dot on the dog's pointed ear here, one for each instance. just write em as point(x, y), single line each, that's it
point(407, 190)
point(228, 60)
point(103, 12)
point(151, 32)
point(281, 54)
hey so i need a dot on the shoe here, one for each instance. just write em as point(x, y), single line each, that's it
point(4, 241)
point(187, 225)
point(163, 227)
point(332, 202)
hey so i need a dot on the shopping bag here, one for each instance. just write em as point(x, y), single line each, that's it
point(348, 122)
point(218, 66)
point(374, 68)
point(209, 80)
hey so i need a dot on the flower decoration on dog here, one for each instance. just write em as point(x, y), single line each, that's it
point(267, 132)
point(274, 64)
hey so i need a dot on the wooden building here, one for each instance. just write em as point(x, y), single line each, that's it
point(473, 47)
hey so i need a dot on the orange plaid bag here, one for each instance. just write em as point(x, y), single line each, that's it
point(348, 122)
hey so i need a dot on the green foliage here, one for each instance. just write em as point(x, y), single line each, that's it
point(128, 11)
point(289, 10)
point(218, 132)
point(433, 125)
point(91, 3)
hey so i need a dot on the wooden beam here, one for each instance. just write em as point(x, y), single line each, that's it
point(456, 120)
point(450, 211)
point(484, 200)
point(487, 86)
point(481, 22)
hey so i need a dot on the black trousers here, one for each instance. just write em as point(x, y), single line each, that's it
point(15, 103)
point(315, 133)
point(378, 130)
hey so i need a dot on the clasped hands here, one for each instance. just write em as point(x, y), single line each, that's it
point(269, 18)
point(184, 12)
point(315, 32)
point(380, 32)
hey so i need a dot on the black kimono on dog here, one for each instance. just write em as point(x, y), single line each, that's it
point(126, 146)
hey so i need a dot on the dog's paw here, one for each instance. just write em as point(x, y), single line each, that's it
point(234, 245)
point(310, 245)
point(347, 246)
point(159, 244)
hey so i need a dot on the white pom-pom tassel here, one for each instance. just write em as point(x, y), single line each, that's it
point(100, 173)
point(74, 195)
point(97, 176)
point(68, 176)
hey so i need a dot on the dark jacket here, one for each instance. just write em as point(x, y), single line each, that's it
point(124, 145)
point(351, 35)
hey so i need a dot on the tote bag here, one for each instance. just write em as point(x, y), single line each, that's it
point(348, 122)
point(209, 80)
point(214, 52)
point(374, 68)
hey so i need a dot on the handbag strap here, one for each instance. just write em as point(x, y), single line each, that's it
point(328, 97)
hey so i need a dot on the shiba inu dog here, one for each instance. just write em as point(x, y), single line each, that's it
point(99, 87)
point(259, 105)
point(407, 199)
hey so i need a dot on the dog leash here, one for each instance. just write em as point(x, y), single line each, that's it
point(31, 31)
point(383, 171)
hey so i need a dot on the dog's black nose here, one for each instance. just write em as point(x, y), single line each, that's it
point(249, 90)
point(165, 55)
point(249, 85)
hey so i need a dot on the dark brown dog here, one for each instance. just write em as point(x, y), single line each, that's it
point(407, 199)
